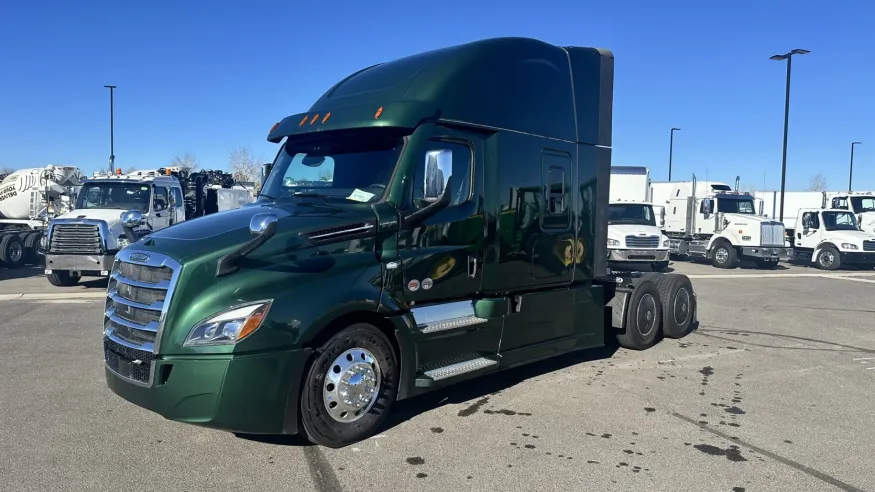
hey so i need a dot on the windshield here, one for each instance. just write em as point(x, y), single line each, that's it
point(122, 196)
point(735, 206)
point(863, 204)
point(343, 168)
point(839, 221)
point(631, 213)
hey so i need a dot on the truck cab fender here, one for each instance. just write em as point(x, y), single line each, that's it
point(716, 239)
point(819, 248)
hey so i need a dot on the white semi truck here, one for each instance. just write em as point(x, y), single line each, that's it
point(29, 200)
point(84, 241)
point(830, 239)
point(711, 220)
point(861, 204)
point(635, 237)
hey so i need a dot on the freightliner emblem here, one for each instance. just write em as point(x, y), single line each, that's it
point(139, 257)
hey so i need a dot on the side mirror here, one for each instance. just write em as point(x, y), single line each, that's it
point(130, 220)
point(661, 217)
point(441, 202)
point(265, 171)
point(262, 227)
point(706, 206)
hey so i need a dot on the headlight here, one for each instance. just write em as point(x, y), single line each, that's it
point(849, 246)
point(613, 242)
point(43, 242)
point(229, 327)
point(122, 242)
point(665, 243)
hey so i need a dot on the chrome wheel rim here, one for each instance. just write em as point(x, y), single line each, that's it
point(722, 255)
point(646, 314)
point(827, 258)
point(351, 385)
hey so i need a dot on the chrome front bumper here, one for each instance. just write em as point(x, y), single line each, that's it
point(79, 263)
point(768, 252)
point(638, 255)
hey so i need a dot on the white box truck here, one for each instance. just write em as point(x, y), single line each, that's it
point(635, 238)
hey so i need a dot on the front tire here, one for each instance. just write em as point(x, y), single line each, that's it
point(350, 387)
point(829, 258)
point(643, 317)
point(723, 255)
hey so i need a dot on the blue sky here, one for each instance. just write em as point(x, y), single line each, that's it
point(203, 77)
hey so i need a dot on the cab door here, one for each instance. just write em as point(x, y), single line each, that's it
point(808, 237)
point(442, 259)
point(177, 204)
point(160, 217)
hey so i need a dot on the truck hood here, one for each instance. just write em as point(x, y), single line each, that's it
point(109, 215)
point(218, 234)
point(746, 219)
point(854, 237)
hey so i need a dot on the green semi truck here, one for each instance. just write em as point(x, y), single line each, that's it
point(429, 220)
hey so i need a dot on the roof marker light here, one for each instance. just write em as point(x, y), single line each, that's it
point(315, 117)
point(274, 127)
point(378, 113)
point(304, 120)
point(326, 117)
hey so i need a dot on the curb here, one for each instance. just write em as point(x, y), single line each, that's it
point(51, 296)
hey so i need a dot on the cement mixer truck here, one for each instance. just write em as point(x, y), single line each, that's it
point(29, 200)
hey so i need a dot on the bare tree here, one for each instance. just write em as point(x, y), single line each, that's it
point(6, 170)
point(186, 161)
point(817, 183)
point(244, 165)
point(130, 169)
point(747, 187)
point(326, 175)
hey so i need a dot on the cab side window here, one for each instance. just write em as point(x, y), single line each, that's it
point(813, 220)
point(840, 203)
point(443, 159)
point(161, 199)
point(702, 205)
point(178, 200)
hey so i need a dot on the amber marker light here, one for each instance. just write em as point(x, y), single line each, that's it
point(378, 113)
point(326, 117)
point(303, 120)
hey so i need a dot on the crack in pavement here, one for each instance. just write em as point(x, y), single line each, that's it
point(793, 464)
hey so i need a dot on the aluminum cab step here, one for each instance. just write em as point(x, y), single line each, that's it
point(432, 376)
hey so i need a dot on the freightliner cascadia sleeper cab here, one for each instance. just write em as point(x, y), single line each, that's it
point(429, 220)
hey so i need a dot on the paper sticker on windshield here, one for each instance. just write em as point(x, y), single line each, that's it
point(144, 188)
point(360, 196)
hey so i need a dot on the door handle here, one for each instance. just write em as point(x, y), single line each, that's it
point(472, 266)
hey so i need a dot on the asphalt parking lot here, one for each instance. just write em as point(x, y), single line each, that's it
point(772, 392)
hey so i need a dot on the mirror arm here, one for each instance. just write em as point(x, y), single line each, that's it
point(230, 263)
point(417, 217)
point(130, 234)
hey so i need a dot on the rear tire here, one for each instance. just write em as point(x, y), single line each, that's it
point(763, 264)
point(12, 252)
point(678, 304)
point(31, 247)
point(369, 379)
point(643, 317)
point(63, 279)
point(723, 255)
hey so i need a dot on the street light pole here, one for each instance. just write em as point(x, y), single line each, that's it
point(789, 57)
point(111, 130)
point(851, 173)
point(671, 150)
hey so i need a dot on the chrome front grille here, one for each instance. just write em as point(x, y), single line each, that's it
point(75, 239)
point(642, 241)
point(772, 234)
point(869, 245)
point(137, 298)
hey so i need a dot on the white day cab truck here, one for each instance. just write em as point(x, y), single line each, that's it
point(830, 239)
point(29, 200)
point(84, 241)
point(715, 222)
point(861, 204)
point(635, 238)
